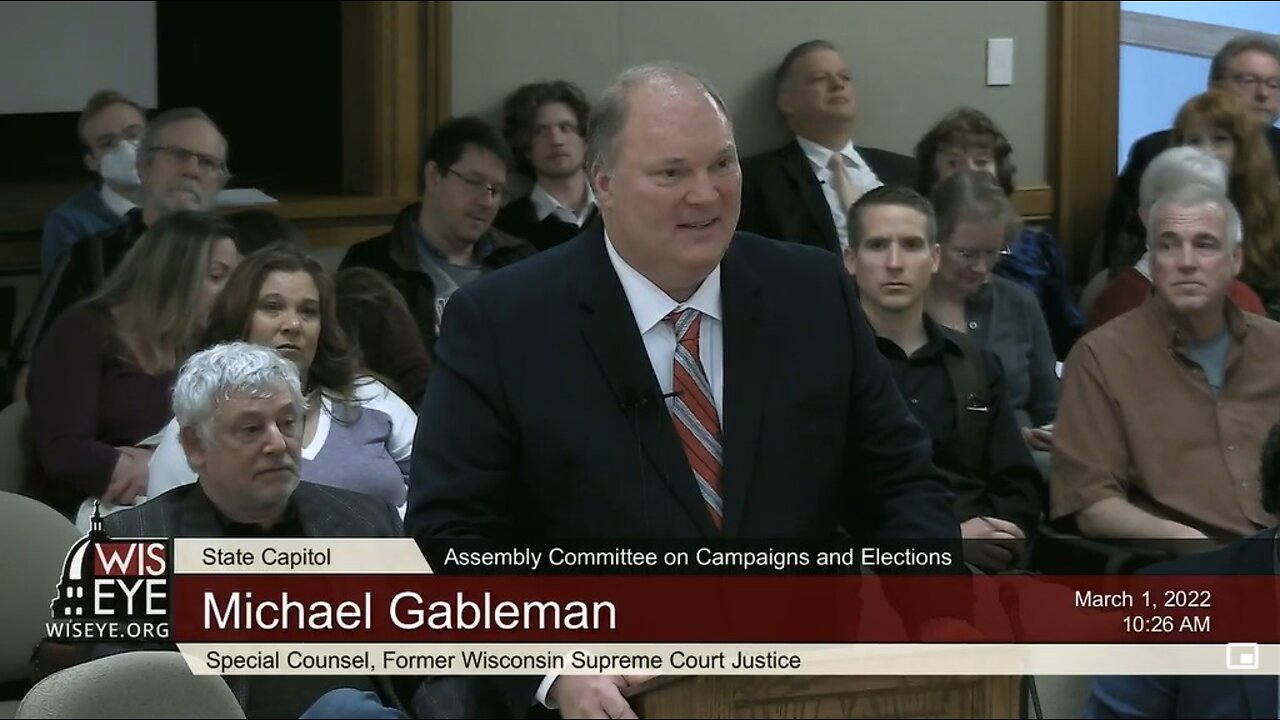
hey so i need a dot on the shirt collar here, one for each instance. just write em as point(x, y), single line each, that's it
point(1169, 324)
point(544, 204)
point(115, 202)
point(650, 304)
point(290, 524)
point(936, 342)
point(820, 156)
point(482, 249)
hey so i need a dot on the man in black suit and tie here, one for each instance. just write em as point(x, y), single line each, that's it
point(801, 192)
point(661, 376)
point(1247, 66)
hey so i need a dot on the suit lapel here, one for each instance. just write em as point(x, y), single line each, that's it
point(748, 358)
point(798, 167)
point(610, 332)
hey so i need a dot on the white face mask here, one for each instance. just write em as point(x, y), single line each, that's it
point(120, 165)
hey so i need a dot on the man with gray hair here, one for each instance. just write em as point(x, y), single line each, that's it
point(240, 409)
point(690, 382)
point(1173, 168)
point(182, 164)
point(1248, 66)
point(1165, 409)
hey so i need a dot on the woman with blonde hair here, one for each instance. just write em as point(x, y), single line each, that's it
point(100, 378)
point(1220, 124)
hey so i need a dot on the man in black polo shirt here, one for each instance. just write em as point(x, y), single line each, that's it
point(954, 387)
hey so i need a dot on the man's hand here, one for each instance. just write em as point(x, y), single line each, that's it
point(1039, 438)
point(591, 696)
point(995, 545)
point(129, 478)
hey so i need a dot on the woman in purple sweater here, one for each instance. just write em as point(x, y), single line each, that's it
point(100, 379)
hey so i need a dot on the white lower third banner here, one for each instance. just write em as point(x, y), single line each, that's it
point(731, 659)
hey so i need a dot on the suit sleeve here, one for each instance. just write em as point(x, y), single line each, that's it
point(462, 476)
point(754, 218)
point(1119, 696)
point(1015, 490)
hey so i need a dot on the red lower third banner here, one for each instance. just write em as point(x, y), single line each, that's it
point(724, 609)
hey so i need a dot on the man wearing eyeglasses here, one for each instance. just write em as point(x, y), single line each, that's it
point(1247, 66)
point(447, 240)
point(182, 164)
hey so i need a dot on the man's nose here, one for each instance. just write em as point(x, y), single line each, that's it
point(702, 191)
point(275, 441)
point(894, 259)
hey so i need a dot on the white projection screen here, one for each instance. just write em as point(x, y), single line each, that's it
point(54, 55)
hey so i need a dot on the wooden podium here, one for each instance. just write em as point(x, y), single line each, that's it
point(827, 696)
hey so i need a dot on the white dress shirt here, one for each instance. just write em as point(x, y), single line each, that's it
point(544, 204)
point(857, 171)
point(649, 304)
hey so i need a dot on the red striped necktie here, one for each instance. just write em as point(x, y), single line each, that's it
point(694, 412)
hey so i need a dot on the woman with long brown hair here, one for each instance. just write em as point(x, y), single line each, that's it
point(357, 434)
point(1221, 124)
point(100, 379)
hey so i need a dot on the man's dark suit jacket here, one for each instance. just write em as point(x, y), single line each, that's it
point(321, 511)
point(782, 198)
point(324, 511)
point(1194, 696)
point(1123, 231)
point(543, 419)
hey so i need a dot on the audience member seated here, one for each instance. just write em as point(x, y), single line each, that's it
point(100, 379)
point(370, 309)
point(953, 387)
point(1171, 169)
point(1248, 66)
point(257, 228)
point(1165, 408)
point(966, 139)
point(109, 128)
point(356, 433)
point(1241, 695)
point(182, 165)
point(240, 411)
point(446, 241)
point(976, 223)
point(1220, 124)
point(546, 125)
point(378, 322)
point(801, 192)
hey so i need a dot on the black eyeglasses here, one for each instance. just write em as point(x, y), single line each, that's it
point(182, 156)
point(479, 186)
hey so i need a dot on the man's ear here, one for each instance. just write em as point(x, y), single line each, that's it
point(601, 185)
point(430, 176)
point(93, 163)
point(193, 446)
point(1237, 259)
point(935, 253)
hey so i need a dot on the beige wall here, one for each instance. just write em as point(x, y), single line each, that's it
point(912, 61)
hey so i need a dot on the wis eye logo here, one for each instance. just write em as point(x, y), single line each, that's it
point(113, 589)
